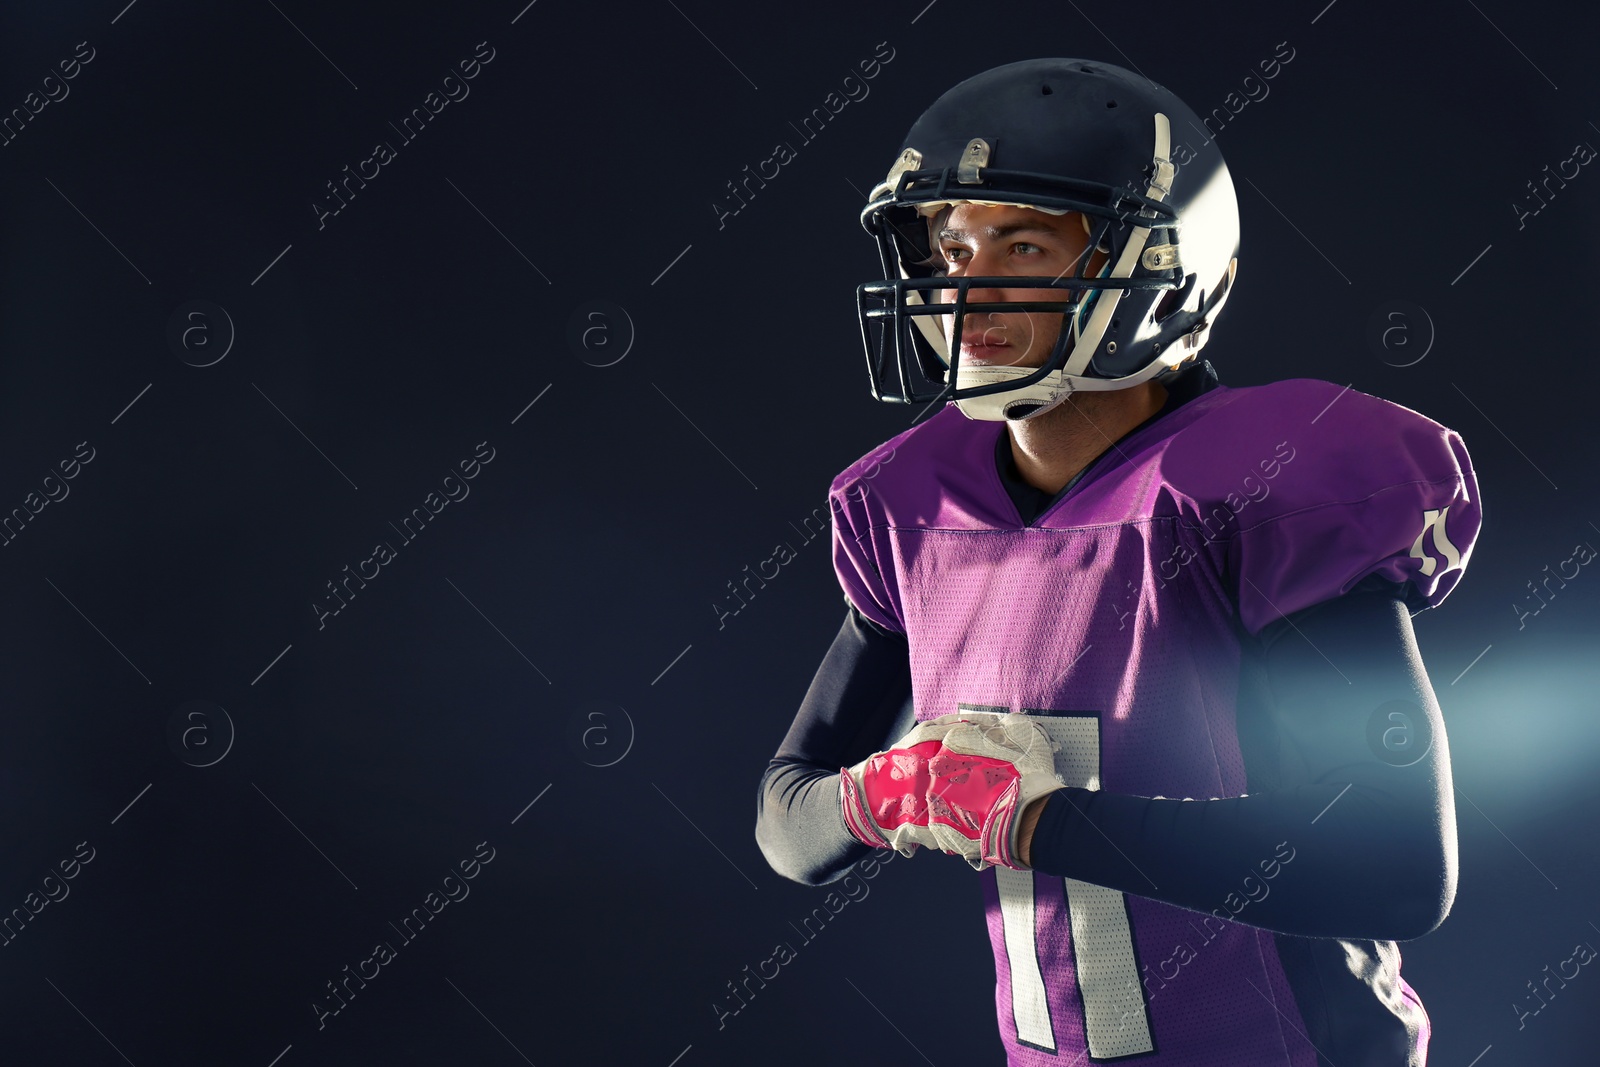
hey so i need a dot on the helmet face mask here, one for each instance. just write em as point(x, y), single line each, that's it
point(1073, 136)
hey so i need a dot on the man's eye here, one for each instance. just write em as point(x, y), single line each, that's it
point(1024, 247)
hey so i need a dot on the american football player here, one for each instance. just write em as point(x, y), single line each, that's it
point(1134, 644)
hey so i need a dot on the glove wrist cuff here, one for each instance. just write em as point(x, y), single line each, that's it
point(856, 818)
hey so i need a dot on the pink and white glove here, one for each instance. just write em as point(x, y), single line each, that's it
point(959, 783)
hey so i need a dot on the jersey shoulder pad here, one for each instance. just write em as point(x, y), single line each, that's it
point(858, 500)
point(1313, 487)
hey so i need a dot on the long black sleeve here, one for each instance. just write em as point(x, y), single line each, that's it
point(858, 703)
point(1372, 843)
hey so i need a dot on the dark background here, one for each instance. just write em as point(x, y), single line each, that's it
point(562, 615)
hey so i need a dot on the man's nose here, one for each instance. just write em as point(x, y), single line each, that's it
point(983, 264)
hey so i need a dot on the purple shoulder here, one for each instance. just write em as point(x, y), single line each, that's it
point(903, 460)
point(902, 480)
point(1312, 486)
point(1339, 444)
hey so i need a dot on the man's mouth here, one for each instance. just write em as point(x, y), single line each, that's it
point(980, 353)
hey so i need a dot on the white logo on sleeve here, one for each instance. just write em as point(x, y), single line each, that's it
point(1434, 520)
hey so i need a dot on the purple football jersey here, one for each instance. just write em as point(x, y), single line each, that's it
point(1118, 617)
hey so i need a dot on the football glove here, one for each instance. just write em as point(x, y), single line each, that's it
point(885, 796)
point(959, 783)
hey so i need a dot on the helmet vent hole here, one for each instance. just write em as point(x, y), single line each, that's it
point(1111, 103)
point(1087, 70)
point(1044, 90)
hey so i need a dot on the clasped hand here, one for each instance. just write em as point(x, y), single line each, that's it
point(959, 783)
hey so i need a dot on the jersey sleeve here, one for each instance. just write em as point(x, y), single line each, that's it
point(1369, 488)
point(863, 558)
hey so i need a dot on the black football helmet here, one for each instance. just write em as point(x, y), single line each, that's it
point(1060, 136)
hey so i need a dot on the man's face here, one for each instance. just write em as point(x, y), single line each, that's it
point(979, 241)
